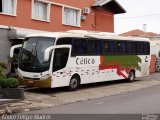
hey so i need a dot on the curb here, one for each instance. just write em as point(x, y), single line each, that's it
point(5, 101)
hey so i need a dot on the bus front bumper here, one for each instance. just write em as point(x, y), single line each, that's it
point(46, 83)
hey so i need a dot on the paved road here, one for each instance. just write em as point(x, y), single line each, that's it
point(136, 102)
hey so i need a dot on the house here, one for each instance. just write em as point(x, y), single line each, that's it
point(139, 33)
point(21, 17)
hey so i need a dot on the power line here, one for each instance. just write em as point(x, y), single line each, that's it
point(139, 16)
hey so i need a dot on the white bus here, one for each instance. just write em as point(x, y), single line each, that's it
point(76, 57)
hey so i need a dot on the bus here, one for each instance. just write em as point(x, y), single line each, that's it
point(76, 57)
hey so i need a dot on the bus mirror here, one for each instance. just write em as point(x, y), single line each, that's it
point(13, 48)
point(46, 53)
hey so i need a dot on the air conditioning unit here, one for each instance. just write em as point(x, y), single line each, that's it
point(83, 17)
point(86, 10)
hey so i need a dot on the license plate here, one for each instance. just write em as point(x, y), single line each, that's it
point(30, 82)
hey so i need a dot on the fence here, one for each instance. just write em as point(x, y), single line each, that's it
point(158, 65)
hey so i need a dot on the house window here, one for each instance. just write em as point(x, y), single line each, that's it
point(8, 7)
point(41, 11)
point(71, 17)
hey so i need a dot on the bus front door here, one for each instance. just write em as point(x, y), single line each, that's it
point(59, 67)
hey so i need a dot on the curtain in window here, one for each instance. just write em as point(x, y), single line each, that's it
point(8, 6)
point(70, 16)
point(40, 11)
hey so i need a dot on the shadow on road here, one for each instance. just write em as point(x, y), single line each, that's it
point(82, 87)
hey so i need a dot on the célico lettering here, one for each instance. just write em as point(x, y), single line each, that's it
point(84, 61)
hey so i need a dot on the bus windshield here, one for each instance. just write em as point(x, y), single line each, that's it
point(32, 54)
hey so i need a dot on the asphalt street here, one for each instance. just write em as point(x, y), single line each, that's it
point(142, 101)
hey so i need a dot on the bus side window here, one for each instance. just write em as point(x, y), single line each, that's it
point(105, 47)
point(112, 47)
point(84, 47)
point(99, 47)
point(140, 48)
point(60, 58)
point(131, 47)
point(121, 47)
point(64, 41)
point(146, 48)
point(76, 44)
point(91, 47)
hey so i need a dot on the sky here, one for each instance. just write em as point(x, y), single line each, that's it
point(139, 12)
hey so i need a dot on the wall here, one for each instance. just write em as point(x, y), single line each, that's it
point(152, 64)
point(4, 45)
point(97, 20)
point(104, 21)
point(23, 19)
point(155, 47)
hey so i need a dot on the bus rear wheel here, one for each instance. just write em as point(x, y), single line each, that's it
point(74, 83)
point(131, 76)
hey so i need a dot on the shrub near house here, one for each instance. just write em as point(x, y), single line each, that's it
point(9, 86)
point(9, 82)
point(2, 70)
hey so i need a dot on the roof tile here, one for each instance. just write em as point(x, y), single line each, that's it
point(138, 32)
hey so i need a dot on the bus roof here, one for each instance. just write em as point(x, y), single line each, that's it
point(87, 34)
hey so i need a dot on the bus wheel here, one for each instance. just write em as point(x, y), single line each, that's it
point(131, 76)
point(74, 83)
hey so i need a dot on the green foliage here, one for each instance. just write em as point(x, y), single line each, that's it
point(3, 65)
point(9, 82)
point(2, 70)
point(14, 58)
point(2, 80)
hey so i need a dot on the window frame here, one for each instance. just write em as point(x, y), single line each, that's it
point(83, 50)
point(48, 10)
point(78, 16)
point(14, 10)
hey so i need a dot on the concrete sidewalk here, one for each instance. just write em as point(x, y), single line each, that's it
point(43, 98)
point(5, 101)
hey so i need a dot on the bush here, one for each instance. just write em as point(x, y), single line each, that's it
point(9, 82)
point(2, 70)
point(3, 65)
point(2, 80)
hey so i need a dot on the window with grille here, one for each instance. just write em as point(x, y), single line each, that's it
point(40, 11)
point(71, 17)
point(8, 7)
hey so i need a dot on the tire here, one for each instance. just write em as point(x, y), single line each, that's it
point(74, 83)
point(131, 76)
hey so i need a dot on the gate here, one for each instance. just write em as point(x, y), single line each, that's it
point(158, 65)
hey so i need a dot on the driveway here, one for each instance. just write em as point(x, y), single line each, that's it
point(44, 98)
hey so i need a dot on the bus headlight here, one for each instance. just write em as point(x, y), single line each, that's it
point(45, 77)
point(20, 75)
